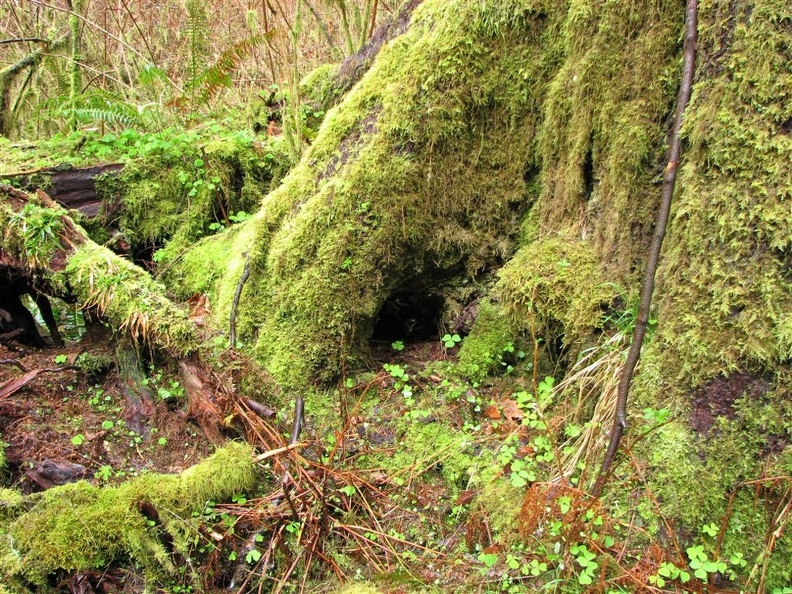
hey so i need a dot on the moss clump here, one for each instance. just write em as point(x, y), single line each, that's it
point(80, 527)
point(412, 180)
point(428, 445)
point(320, 88)
point(178, 186)
point(484, 350)
point(12, 504)
point(555, 287)
point(727, 472)
point(94, 364)
point(726, 288)
point(603, 132)
point(127, 297)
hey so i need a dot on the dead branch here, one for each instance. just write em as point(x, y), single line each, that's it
point(23, 40)
point(235, 304)
point(647, 288)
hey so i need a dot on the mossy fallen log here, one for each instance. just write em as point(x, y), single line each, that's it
point(43, 244)
point(72, 187)
point(146, 520)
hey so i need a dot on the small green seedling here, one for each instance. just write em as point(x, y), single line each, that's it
point(450, 340)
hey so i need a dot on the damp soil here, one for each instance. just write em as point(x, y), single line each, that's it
point(67, 424)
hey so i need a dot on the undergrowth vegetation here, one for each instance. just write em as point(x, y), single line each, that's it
point(442, 263)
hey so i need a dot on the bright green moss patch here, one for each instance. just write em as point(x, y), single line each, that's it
point(412, 180)
point(319, 88)
point(486, 350)
point(127, 297)
point(80, 527)
point(603, 134)
point(179, 186)
point(726, 285)
point(552, 281)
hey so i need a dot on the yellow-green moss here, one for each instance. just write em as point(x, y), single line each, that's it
point(180, 186)
point(692, 477)
point(80, 527)
point(483, 350)
point(726, 287)
point(604, 129)
point(556, 286)
point(127, 297)
point(319, 87)
point(418, 173)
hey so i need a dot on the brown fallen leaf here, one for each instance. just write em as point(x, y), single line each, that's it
point(492, 412)
point(511, 411)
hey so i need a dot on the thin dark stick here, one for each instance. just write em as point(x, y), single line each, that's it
point(669, 179)
point(22, 40)
point(299, 413)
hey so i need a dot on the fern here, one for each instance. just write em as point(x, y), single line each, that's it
point(91, 108)
point(197, 32)
point(218, 76)
point(112, 115)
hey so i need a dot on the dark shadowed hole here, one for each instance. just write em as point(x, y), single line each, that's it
point(410, 317)
point(588, 175)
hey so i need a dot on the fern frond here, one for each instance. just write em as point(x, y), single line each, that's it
point(218, 76)
point(196, 29)
point(109, 115)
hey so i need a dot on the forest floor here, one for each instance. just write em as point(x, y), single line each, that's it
point(66, 424)
point(385, 471)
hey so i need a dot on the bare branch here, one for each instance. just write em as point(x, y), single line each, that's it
point(669, 179)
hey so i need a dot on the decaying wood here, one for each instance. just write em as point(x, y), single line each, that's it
point(14, 362)
point(71, 187)
point(9, 387)
point(14, 385)
point(653, 258)
point(262, 410)
point(201, 400)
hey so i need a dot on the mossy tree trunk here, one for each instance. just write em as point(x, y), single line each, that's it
point(523, 142)
point(527, 140)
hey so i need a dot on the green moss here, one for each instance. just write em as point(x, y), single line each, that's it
point(604, 126)
point(358, 588)
point(412, 180)
point(501, 503)
point(177, 186)
point(196, 270)
point(483, 350)
point(432, 447)
point(555, 286)
point(94, 364)
point(726, 285)
point(318, 87)
point(127, 297)
point(80, 527)
point(726, 476)
point(11, 501)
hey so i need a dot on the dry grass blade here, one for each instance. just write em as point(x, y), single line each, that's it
point(594, 378)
